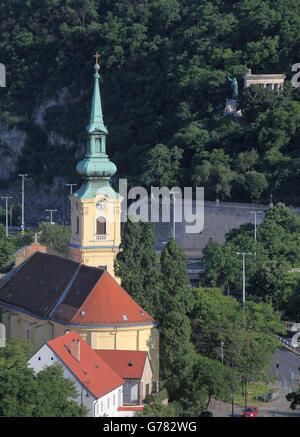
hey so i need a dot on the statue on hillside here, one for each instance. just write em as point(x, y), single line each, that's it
point(234, 87)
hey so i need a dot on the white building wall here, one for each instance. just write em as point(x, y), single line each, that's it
point(107, 405)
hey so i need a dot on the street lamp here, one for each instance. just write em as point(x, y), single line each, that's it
point(71, 188)
point(255, 212)
point(23, 176)
point(6, 213)
point(51, 211)
point(71, 194)
point(173, 193)
point(244, 293)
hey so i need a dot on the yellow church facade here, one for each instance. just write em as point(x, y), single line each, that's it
point(96, 231)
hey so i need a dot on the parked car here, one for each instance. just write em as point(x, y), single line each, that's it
point(206, 414)
point(250, 412)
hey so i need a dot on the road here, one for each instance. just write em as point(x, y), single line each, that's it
point(288, 362)
point(288, 370)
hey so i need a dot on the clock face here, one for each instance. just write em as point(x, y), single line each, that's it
point(101, 204)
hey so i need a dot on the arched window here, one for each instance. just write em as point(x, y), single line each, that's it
point(101, 226)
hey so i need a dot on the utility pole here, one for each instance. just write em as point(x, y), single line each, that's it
point(244, 301)
point(255, 212)
point(51, 212)
point(23, 176)
point(6, 213)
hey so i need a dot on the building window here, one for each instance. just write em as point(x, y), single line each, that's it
point(103, 267)
point(27, 334)
point(114, 400)
point(101, 226)
point(77, 225)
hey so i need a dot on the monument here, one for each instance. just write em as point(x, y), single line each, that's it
point(231, 103)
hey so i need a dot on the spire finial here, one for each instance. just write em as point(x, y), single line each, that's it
point(97, 58)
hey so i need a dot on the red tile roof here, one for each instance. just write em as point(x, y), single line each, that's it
point(109, 304)
point(93, 372)
point(127, 364)
point(52, 287)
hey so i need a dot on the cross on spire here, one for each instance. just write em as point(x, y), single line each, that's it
point(97, 57)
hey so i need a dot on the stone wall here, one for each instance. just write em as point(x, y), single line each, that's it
point(219, 218)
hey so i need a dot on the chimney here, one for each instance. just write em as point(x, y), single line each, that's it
point(75, 349)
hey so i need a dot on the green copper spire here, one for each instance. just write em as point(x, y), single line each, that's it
point(96, 168)
point(96, 118)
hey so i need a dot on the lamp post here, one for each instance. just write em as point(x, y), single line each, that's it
point(244, 277)
point(174, 198)
point(23, 176)
point(6, 213)
point(255, 212)
point(51, 212)
point(71, 194)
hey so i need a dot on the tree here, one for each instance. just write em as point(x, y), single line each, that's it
point(208, 379)
point(137, 264)
point(177, 294)
point(174, 325)
point(6, 255)
point(254, 100)
point(157, 409)
point(55, 236)
point(274, 252)
point(55, 395)
point(294, 398)
point(162, 166)
point(25, 394)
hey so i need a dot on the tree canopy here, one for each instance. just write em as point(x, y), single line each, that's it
point(26, 394)
point(164, 69)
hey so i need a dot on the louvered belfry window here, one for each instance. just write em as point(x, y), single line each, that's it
point(101, 226)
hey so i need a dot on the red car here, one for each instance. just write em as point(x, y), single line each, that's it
point(250, 412)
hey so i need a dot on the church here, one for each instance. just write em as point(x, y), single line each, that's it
point(46, 296)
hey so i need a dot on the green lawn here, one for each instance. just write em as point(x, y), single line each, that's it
point(254, 392)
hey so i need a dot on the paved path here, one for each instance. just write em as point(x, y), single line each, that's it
point(278, 408)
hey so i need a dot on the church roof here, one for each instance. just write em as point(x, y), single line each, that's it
point(109, 304)
point(51, 287)
point(91, 370)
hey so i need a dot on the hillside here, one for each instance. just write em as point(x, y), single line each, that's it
point(164, 67)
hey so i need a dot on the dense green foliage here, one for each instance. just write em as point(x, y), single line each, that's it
point(56, 237)
point(164, 68)
point(24, 394)
point(275, 252)
point(193, 323)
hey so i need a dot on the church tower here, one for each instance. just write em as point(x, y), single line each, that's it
point(96, 215)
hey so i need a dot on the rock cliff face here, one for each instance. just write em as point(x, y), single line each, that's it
point(38, 196)
point(11, 143)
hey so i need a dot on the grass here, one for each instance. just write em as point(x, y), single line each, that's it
point(254, 392)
